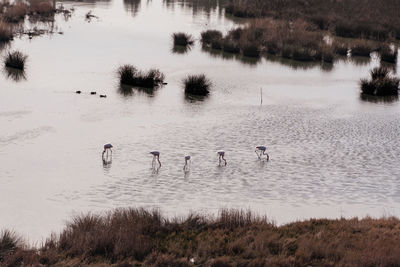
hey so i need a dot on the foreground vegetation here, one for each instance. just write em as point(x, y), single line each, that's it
point(138, 237)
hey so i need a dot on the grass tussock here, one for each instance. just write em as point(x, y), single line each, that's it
point(197, 85)
point(182, 39)
point(130, 75)
point(15, 60)
point(381, 83)
point(5, 32)
point(138, 237)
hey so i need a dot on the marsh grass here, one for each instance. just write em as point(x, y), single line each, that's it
point(209, 36)
point(381, 83)
point(15, 13)
point(126, 237)
point(5, 32)
point(361, 48)
point(371, 19)
point(387, 54)
point(197, 85)
point(182, 39)
point(130, 75)
point(41, 7)
point(15, 60)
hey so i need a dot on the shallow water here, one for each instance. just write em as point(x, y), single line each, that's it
point(333, 153)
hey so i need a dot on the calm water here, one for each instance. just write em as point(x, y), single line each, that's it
point(332, 153)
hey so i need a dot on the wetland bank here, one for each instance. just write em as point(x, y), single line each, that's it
point(333, 150)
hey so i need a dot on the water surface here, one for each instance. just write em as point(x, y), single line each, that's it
point(333, 153)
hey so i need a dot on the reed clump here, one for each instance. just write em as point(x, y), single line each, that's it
point(197, 85)
point(130, 75)
point(15, 60)
point(182, 39)
point(381, 83)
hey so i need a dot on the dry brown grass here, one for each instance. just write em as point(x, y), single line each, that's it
point(371, 19)
point(5, 32)
point(233, 238)
point(41, 7)
point(15, 13)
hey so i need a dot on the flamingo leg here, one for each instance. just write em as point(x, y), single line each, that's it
point(224, 159)
point(159, 162)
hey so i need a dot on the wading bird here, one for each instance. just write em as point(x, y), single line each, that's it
point(221, 155)
point(107, 147)
point(187, 160)
point(156, 155)
point(260, 151)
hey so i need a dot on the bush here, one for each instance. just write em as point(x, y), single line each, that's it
point(302, 54)
point(388, 55)
point(230, 46)
point(361, 48)
point(207, 37)
point(129, 75)
point(340, 48)
point(182, 39)
point(15, 60)
point(197, 85)
point(381, 83)
point(5, 32)
point(251, 50)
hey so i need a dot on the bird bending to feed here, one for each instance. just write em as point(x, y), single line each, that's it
point(103, 95)
point(221, 155)
point(107, 147)
point(187, 159)
point(260, 151)
point(156, 155)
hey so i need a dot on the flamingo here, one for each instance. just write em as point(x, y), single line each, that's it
point(156, 155)
point(221, 155)
point(107, 147)
point(187, 159)
point(261, 150)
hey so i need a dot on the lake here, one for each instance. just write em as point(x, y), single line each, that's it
point(332, 152)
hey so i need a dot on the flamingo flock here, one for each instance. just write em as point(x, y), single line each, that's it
point(260, 151)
